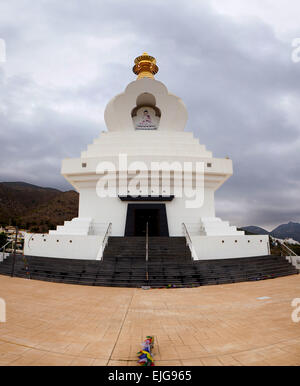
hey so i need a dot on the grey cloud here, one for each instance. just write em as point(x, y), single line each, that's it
point(232, 75)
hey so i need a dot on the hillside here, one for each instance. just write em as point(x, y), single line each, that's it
point(284, 231)
point(255, 230)
point(35, 208)
point(290, 230)
point(39, 209)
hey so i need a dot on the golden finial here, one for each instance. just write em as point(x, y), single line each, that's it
point(145, 66)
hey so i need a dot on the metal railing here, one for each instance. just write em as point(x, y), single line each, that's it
point(14, 250)
point(106, 236)
point(104, 242)
point(189, 242)
point(290, 255)
point(147, 242)
point(2, 249)
point(289, 250)
point(147, 251)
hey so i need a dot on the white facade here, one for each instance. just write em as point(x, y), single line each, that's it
point(145, 131)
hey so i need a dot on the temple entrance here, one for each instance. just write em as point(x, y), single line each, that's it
point(138, 215)
point(144, 216)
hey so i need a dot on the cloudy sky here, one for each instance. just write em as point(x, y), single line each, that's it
point(230, 61)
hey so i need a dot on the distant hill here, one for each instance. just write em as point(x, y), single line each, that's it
point(290, 230)
point(39, 209)
point(284, 231)
point(35, 208)
point(25, 186)
point(255, 230)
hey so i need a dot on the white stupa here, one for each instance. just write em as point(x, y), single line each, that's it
point(146, 169)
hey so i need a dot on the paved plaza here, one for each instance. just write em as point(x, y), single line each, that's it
point(235, 324)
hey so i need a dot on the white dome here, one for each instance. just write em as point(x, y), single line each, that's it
point(145, 92)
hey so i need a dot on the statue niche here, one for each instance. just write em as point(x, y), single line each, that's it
point(146, 116)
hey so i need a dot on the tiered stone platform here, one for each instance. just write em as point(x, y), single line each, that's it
point(169, 264)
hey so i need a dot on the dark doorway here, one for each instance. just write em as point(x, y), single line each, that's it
point(139, 214)
point(144, 216)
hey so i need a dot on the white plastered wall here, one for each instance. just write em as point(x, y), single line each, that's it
point(85, 247)
point(222, 247)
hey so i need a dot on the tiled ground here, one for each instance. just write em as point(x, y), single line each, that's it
point(58, 324)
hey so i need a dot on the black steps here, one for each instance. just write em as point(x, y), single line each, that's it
point(169, 264)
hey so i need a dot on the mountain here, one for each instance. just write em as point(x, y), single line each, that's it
point(34, 207)
point(39, 209)
point(255, 230)
point(290, 230)
point(284, 231)
point(25, 186)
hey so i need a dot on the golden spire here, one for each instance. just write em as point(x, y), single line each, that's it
point(145, 66)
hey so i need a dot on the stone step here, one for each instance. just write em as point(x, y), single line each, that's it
point(162, 271)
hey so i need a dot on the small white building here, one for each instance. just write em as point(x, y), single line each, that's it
point(145, 169)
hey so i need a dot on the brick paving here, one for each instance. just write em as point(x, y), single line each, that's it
point(60, 324)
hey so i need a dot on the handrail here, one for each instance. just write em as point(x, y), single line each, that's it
point(104, 242)
point(2, 249)
point(28, 242)
point(189, 242)
point(147, 250)
point(147, 242)
point(292, 255)
point(4, 246)
point(186, 234)
point(288, 249)
point(14, 253)
point(284, 246)
point(106, 236)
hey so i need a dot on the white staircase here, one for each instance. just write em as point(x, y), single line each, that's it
point(212, 226)
point(3, 256)
point(80, 226)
